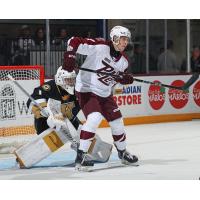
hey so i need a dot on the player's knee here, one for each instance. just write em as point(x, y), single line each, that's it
point(92, 122)
point(117, 126)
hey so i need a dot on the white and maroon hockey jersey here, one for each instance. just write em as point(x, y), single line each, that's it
point(99, 52)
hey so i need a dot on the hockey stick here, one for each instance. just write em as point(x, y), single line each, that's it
point(186, 86)
point(192, 79)
point(27, 94)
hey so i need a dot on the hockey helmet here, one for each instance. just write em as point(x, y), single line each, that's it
point(117, 32)
point(66, 79)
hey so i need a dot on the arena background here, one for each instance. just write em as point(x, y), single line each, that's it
point(134, 10)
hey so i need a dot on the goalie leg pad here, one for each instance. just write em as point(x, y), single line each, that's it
point(41, 147)
point(99, 150)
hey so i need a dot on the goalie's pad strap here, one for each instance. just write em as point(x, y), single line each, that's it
point(92, 146)
point(53, 141)
point(36, 111)
point(21, 164)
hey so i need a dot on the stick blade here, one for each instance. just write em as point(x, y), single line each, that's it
point(192, 79)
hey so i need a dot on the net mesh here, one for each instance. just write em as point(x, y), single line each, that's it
point(19, 74)
point(16, 128)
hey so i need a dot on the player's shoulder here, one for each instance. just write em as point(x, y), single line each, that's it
point(89, 41)
point(98, 42)
point(102, 41)
point(48, 86)
point(103, 45)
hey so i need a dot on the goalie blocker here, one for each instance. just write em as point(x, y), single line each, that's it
point(51, 140)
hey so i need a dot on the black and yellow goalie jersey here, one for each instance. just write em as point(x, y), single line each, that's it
point(69, 104)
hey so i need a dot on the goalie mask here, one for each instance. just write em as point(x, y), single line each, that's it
point(66, 80)
point(117, 32)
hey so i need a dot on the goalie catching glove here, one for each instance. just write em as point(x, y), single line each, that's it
point(124, 78)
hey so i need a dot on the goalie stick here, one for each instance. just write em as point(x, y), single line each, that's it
point(27, 94)
point(186, 86)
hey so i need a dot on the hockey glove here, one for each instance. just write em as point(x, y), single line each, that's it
point(69, 61)
point(124, 78)
point(45, 112)
point(56, 123)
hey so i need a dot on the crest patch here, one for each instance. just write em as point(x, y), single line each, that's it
point(46, 87)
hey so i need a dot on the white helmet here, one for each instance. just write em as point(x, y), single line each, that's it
point(66, 79)
point(117, 32)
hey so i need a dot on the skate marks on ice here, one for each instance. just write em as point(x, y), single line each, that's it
point(60, 173)
point(160, 161)
point(147, 170)
point(115, 171)
point(114, 164)
point(56, 168)
point(39, 173)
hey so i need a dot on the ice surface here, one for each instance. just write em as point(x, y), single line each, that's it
point(166, 151)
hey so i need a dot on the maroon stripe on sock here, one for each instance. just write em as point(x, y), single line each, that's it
point(120, 138)
point(85, 135)
point(124, 138)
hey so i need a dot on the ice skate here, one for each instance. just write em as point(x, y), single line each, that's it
point(83, 162)
point(126, 157)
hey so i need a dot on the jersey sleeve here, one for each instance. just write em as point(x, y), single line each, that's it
point(39, 94)
point(84, 46)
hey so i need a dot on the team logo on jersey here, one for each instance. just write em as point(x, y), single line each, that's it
point(106, 79)
point(66, 110)
point(46, 87)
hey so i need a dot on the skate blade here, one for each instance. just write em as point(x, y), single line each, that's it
point(125, 162)
point(110, 165)
point(81, 168)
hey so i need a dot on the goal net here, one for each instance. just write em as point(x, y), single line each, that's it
point(16, 120)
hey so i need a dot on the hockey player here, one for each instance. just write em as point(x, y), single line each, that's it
point(60, 89)
point(53, 104)
point(94, 90)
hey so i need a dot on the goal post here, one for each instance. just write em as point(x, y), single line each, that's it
point(16, 120)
